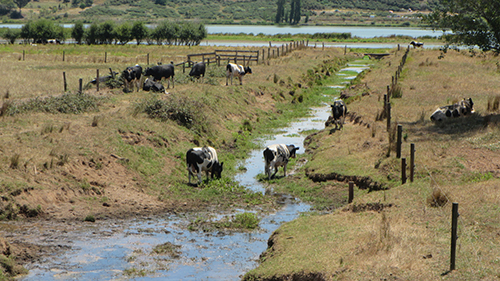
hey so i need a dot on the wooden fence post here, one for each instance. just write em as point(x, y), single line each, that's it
point(398, 141)
point(64, 54)
point(403, 170)
point(97, 81)
point(80, 82)
point(351, 192)
point(388, 115)
point(454, 217)
point(412, 161)
point(65, 84)
point(105, 57)
point(147, 59)
point(23, 55)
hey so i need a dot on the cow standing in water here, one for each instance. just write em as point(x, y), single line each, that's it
point(277, 155)
point(339, 113)
point(236, 70)
point(203, 159)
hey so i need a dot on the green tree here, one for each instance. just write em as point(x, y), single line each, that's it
point(78, 32)
point(139, 31)
point(280, 12)
point(124, 33)
point(106, 33)
point(12, 34)
point(295, 18)
point(473, 22)
point(91, 34)
point(21, 3)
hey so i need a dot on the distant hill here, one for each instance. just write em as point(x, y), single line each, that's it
point(208, 11)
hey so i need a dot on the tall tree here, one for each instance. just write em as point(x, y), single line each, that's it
point(295, 12)
point(78, 32)
point(280, 12)
point(139, 31)
point(473, 22)
point(21, 3)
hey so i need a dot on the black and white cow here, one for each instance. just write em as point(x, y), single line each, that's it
point(462, 108)
point(339, 113)
point(160, 71)
point(416, 44)
point(198, 70)
point(277, 155)
point(132, 74)
point(150, 85)
point(236, 70)
point(203, 159)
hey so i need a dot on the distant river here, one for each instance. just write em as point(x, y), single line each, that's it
point(356, 31)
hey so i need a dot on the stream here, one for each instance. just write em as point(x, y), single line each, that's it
point(122, 249)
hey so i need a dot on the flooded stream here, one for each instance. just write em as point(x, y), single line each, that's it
point(124, 249)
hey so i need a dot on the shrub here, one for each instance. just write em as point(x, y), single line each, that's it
point(67, 103)
point(438, 198)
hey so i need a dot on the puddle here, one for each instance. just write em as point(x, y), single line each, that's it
point(123, 249)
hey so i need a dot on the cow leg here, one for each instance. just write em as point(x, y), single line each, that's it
point(275, 171)
point(199, 177)
point(241, 82)
point(284, 170)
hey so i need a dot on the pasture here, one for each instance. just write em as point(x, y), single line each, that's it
point(402, 232)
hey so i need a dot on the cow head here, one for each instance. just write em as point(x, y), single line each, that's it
point(248, 70)
point(292, 150)
point(217, 169)
point(148, 72)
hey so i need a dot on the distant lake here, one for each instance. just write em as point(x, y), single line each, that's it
point(356, 31)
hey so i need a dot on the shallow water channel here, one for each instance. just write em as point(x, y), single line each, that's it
point(121, 249)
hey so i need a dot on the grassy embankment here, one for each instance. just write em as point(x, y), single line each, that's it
point(402, 232)
point(53, 161)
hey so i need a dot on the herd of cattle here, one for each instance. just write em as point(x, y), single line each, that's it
point(204, 159)
point(134, 75)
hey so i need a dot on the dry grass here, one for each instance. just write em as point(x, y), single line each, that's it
point(457, 161)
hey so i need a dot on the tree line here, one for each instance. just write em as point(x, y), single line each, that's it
point(108, 32)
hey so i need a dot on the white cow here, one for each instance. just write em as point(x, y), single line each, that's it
point(203, 159)
point(277, 155)
point(236, 70)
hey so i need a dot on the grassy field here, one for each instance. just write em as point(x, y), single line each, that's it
point(402, 232)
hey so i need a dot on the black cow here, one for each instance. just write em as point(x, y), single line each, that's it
point(104, 79)
point(150, 85)
point(339, 113)
point(132, 73)
point(416, 44)
point(198, 70)
point(277, 155)
point(203, 159)
point(236, 70)
point(160, 71)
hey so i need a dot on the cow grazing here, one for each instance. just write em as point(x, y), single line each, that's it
point(339, 113)
point(150, 85)
point(203, 159)
point(464, 107)
point(236, 70)
point(198, 70)
point(160, 71)
point(416, 44)
point(277, 155)
point(132, 74)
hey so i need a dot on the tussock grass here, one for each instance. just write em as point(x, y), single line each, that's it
point(455, 162)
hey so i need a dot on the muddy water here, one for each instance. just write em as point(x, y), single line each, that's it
point(123, 249)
